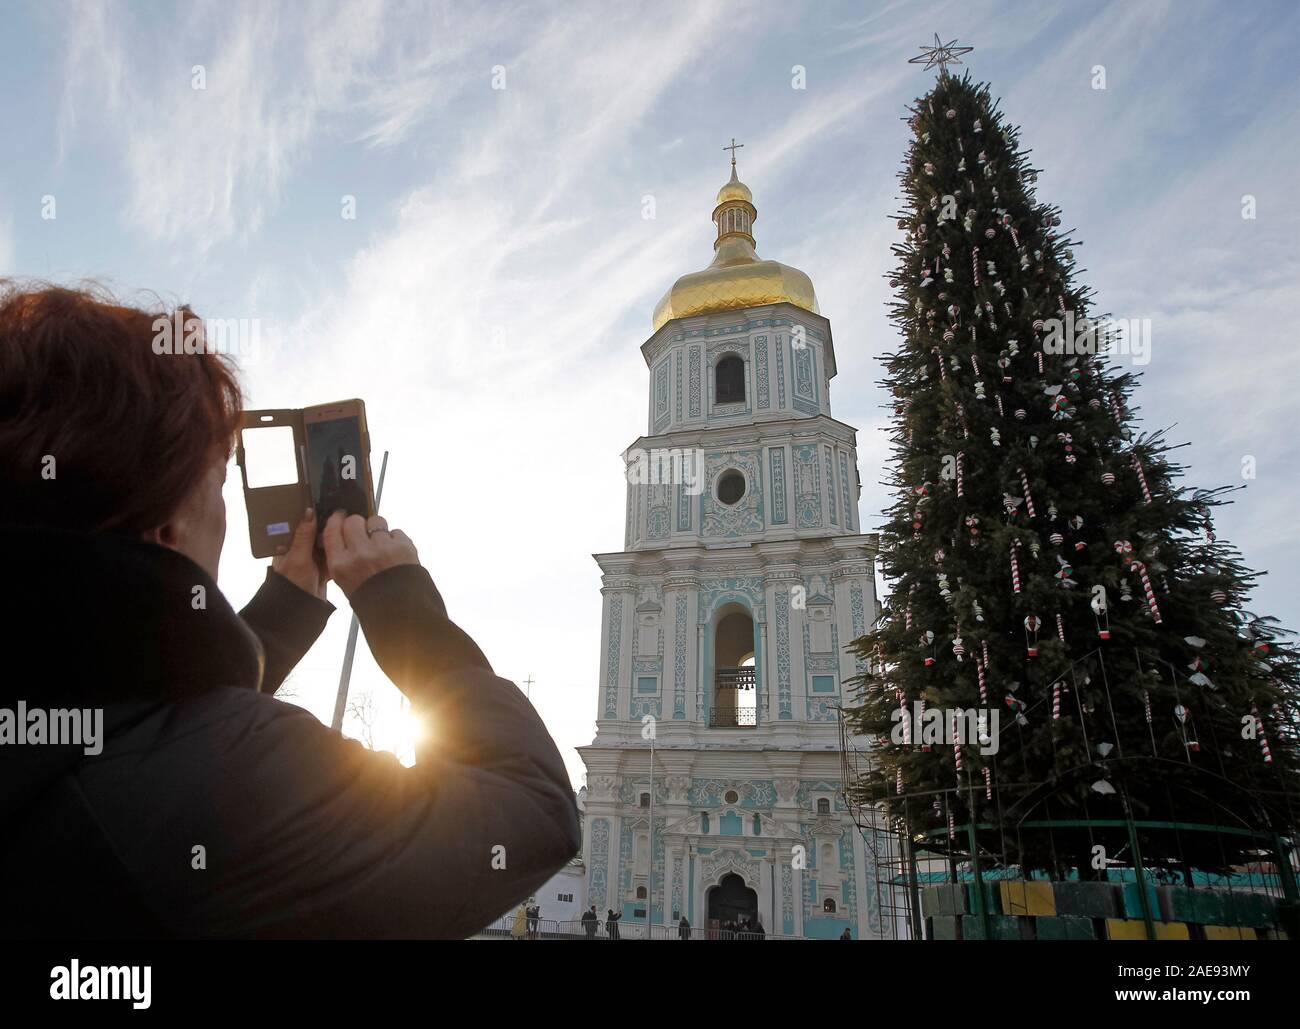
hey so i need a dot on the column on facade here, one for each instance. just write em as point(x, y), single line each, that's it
point(780, 577)
point(768, 903)
point(680, 590)
point(798, 666)
point(701, 700)
point(699, 912)
point(617, 644)
point(797, 898)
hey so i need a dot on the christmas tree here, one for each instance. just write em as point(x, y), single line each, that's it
point(1045, 568)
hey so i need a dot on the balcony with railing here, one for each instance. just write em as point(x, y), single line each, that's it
point(734, 699)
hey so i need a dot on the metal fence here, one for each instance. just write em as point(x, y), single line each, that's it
point(554, 929)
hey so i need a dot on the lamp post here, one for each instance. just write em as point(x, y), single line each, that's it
point(650, 879)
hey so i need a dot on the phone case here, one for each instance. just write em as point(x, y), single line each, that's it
point(274, 511)
point(360, 414)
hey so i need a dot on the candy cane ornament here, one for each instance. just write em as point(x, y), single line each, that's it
point(943, 368)
point(1056, 702)
point(1263, 739)
point(1029, 500)
point(1149, 590)
point(1015, 568)
point(1142, 480)
point(988, 783)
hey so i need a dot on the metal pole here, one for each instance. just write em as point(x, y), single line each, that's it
point(650, 893)
point(986, 919)
point(341, 701)
point(913, 873)
point(1139, 872)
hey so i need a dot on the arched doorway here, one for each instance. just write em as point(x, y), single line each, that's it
point(734, 702)
point(731, 901)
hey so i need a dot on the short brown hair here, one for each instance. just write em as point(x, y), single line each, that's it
point(130, 432)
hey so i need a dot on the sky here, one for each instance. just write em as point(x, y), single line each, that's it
point(442, 209)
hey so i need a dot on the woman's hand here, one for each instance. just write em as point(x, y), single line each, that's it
point(357, 548)
point(302, 564)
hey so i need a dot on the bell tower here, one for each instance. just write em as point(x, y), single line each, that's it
point(743, 577)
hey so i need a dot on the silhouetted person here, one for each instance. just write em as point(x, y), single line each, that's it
point(611, 924)
point(309, 834)
point(683, 929)
point(590, 923)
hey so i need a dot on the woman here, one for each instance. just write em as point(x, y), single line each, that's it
point(207, 808)
point(517, 929)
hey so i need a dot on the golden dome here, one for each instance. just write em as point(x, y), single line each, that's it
point(735, 190)
point(738, 277)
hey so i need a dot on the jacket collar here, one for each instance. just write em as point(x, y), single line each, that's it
point(91, 619)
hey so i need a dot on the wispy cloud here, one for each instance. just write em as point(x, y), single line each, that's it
point(490, 298)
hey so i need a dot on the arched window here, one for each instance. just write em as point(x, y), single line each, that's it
point(640, 893)
point(823, 806)
point(828, 906)
point(729, 381)
point(758, 826)
point(645, 800)
point(704, 822)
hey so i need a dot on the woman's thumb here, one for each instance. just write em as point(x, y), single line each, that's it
point(307, 525)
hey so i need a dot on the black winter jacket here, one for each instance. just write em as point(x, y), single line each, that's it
point(304, 833)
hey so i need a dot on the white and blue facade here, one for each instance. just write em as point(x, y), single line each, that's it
point(725, 623)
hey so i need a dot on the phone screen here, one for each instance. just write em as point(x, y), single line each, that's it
point(336, 467)
point(269, 458)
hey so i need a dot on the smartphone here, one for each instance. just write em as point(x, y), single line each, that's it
point(292, 459)
point(338, 459)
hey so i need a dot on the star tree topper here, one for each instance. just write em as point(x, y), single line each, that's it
point(942, 54)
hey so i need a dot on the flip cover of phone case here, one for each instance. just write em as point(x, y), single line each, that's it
point(274, 511)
